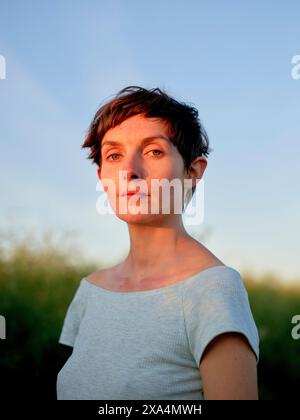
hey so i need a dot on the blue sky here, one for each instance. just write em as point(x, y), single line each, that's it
point(232, 60)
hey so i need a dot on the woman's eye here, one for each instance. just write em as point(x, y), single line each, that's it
point(113, 154)
point(156, 150)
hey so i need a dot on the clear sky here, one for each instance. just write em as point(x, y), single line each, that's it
point(232, 60)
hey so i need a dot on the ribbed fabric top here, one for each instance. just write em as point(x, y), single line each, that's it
point(148, 344)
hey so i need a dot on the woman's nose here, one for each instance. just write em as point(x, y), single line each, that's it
point(132, 168)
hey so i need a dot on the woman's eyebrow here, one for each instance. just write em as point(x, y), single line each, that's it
point(143, 141)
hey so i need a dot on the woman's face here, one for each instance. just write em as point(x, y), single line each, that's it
point(135, 154)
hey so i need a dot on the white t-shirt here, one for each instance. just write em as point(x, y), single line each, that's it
point(148, 344)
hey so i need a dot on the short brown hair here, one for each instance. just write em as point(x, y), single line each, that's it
point(188, 134)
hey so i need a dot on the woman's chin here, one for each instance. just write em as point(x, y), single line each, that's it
point(139, 218)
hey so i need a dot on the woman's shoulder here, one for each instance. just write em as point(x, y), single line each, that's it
point(220, 288)
point(99, 277)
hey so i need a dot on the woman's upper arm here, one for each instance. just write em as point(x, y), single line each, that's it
point(228, 369)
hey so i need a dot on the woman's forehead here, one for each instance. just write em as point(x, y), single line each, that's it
point(137, 127)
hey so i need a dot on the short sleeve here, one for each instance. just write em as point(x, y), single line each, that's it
point(73, 317)
point(214, 304)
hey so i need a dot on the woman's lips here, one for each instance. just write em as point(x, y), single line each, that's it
point(131, 193)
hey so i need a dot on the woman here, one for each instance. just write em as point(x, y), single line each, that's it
point(171, 321)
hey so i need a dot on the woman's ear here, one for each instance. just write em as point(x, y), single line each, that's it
point(197, 169)
point(99, 172)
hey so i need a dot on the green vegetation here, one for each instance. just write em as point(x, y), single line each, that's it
point(37, 284)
